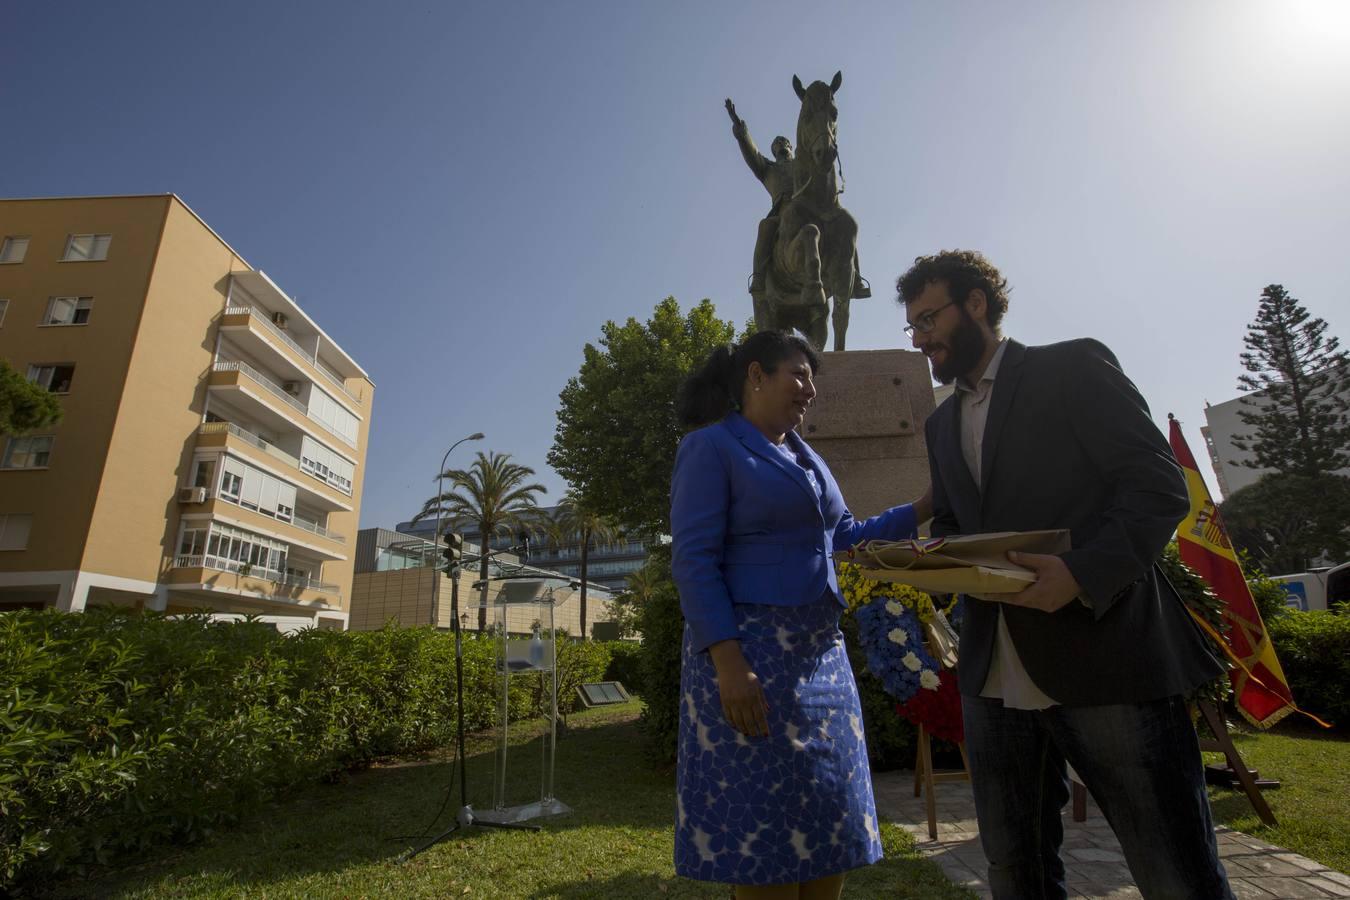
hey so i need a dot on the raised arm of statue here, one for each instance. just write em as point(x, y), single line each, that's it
point(757, 162)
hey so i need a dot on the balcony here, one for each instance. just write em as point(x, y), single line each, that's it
point(322, 492)
point(241, 376)
point(211, 576)
point(298, 532)
point(238, 318)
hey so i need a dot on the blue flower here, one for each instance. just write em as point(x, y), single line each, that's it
point(887, 658)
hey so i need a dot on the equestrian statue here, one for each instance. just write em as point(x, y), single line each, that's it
point(806, 250)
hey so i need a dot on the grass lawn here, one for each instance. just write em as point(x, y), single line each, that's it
point(343, 840)
point(1313, 767)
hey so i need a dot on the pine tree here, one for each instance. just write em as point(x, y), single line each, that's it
point(1301, 420)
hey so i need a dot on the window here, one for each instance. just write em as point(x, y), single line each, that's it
point(68, 311)
point(231, 549)
point(55, 378)
point(204, 476)
point(27, 453)
point(13, 249)
point(86, 247)
point(14, 529)
point(230, 485)
point(333, 416)
point(256, 490)
point(326, 465)
point(4, 305)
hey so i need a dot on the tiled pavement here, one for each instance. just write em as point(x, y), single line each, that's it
point(1091, 854)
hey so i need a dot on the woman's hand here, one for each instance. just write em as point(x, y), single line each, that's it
point(743, 703)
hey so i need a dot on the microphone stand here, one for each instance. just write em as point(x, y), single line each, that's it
point(465, 817)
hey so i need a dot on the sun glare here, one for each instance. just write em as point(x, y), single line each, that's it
point(1322, 25)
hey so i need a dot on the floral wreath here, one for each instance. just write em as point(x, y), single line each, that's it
point(891, 619)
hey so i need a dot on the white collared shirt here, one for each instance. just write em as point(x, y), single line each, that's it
point(1008, 679)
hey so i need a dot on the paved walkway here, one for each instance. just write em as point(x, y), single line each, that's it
point(1092, 857)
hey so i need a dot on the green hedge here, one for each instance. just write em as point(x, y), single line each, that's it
point(625, 665)
point(119, 732)
point(1314, 651)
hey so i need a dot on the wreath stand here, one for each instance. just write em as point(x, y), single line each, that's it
point(924, 776)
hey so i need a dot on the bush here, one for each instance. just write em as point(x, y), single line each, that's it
point(662, 625)
point(625, 662)
point(1314, 651)
point(1270, 596)
point(125, 731)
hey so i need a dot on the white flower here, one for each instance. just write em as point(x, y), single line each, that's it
point(898, 636)
point(911, 661)
point(928, 678)
point(895, 607)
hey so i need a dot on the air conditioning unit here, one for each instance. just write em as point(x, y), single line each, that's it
point(192, 495)
point(279, 320)
point(291, 387)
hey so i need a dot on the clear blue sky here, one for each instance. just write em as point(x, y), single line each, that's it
point(463, 193)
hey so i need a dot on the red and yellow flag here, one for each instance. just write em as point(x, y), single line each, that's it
point(1259, 685)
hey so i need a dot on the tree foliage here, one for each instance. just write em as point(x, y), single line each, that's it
point(576, 517)
point(24, 406)
point(492, 493)
point(1299, 419)
point(617, 433)
point(1285, 521)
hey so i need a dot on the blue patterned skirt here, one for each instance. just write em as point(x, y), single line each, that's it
point(796, 805)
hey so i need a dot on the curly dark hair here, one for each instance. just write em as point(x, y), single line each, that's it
point(717, 386)
point(962, 271)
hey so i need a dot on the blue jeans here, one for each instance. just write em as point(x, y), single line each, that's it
point(1141, 761)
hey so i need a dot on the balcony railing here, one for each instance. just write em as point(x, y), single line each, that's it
point(293, 344)
point(245, 369)
point(249, 437)
point(318, 529)
point(230, 565)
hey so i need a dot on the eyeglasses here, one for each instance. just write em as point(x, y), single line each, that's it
point(926, 322)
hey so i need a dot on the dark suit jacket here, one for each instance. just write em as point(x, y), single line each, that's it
point(1069, 444)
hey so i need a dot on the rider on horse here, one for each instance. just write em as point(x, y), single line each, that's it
point(777, 177)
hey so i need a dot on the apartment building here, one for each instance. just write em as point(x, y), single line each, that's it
point(213, 442)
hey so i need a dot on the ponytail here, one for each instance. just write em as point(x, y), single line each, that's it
point(705, 396)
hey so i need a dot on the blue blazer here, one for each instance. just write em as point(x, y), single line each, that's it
point(747, 526)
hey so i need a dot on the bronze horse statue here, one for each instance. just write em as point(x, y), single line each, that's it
point(814, 255)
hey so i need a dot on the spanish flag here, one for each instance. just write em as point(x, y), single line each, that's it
point(1259, 685)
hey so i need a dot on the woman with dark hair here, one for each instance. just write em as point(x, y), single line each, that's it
point(773, 790)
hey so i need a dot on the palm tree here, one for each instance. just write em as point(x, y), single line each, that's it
point(575, 516)
point(492, 492)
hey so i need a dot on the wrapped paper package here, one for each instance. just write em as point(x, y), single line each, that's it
point(961, 564)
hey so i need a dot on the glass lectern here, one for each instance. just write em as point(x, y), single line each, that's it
point(521, 609)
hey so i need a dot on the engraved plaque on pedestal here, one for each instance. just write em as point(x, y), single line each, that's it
point(867, 423)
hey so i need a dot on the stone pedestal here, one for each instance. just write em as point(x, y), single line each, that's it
point(867, 423)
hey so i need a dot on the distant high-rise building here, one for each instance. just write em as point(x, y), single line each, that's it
point(607, 564)
point(213, 444)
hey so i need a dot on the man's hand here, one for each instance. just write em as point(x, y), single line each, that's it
point(1055, 585)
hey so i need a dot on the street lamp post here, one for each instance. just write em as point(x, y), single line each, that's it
point(440, 504)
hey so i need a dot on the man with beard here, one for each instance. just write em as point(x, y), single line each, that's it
point(1092, 663)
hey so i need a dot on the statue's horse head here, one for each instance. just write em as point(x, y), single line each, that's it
point(817, 144)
